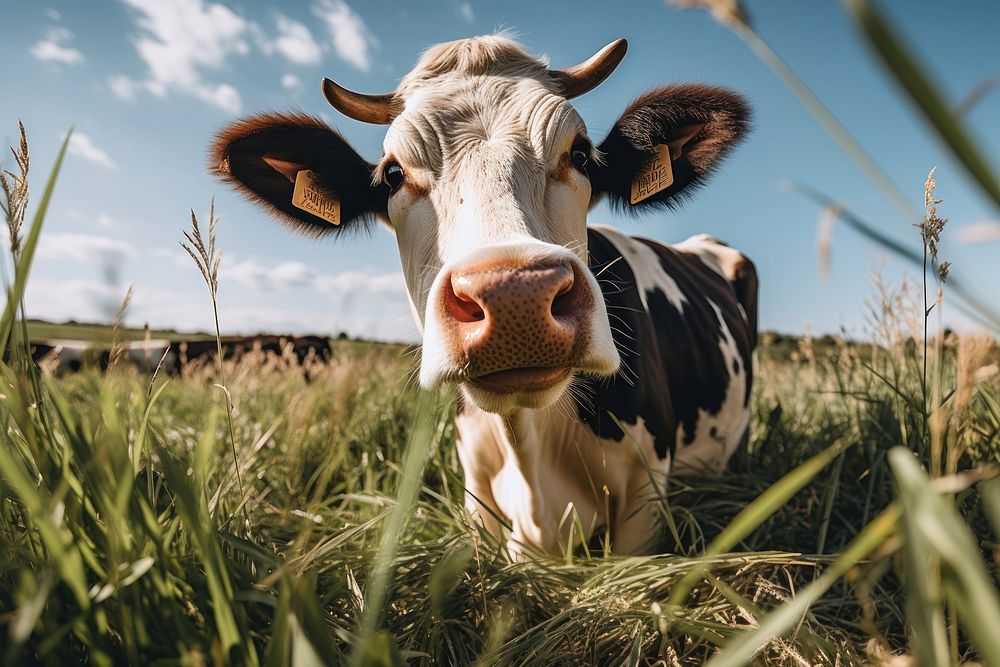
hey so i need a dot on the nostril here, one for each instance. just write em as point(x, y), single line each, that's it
point(564, 302)
point(465, 310)
point(462, 306)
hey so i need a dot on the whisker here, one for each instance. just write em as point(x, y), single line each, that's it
point(617, 330)
point(609, 265)
point(622, 320)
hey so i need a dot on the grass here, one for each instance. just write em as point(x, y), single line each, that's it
point(859, 525)
point(117, 558)
point(101, 333)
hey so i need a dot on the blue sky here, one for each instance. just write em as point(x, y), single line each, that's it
point(147, 82)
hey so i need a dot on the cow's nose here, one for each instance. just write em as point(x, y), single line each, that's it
point(515, 317)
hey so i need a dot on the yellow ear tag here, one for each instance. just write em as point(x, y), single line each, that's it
point(659, 175)
point(310, 198)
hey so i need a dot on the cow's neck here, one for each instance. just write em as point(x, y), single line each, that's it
point(535, 463)
point(533, 439)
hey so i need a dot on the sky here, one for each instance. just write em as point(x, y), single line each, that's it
point(146, 83)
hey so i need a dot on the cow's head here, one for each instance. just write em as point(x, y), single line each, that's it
point(486, 178)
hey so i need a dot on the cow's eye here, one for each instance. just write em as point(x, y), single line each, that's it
point(579, 156)
point(394, 175)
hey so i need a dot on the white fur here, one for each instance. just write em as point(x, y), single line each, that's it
point(530, 468)
point(481, 152)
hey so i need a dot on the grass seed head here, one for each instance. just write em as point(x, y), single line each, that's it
point(203, 254)
point(932, 225)
point(15, 189)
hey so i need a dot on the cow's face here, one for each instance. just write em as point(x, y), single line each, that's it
point(488, 195)
point(486, 177)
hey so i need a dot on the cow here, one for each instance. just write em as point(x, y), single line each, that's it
point(588, 363)
point(303, 347)
point(70, 356)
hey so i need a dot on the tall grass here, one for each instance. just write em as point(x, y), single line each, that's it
point(827, 541)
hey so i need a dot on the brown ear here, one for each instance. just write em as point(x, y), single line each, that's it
point(700, 124)
point(261, 155)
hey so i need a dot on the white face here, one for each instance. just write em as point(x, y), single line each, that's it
point(490, 218)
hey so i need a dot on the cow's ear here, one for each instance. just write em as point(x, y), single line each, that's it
point(698, 124)
point(261, 156)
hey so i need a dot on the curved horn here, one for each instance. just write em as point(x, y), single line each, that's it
point(579, 79)
point(377, 109)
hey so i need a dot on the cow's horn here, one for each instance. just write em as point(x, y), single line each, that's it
point(579, 79)
point(377, 109)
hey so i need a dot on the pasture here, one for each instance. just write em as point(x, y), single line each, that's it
point(126, 536)
point(260, 509)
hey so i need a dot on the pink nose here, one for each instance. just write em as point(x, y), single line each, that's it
point(516, 317)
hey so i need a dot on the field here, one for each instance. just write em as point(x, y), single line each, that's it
point(126, 536)
point(98, 333)
point(260, 511)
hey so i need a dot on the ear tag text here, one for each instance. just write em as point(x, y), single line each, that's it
point(658, 176)
point(310, 198)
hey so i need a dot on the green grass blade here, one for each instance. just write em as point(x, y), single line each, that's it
point(924, 94)
point(742, 650)
point(417, 451)
point(924, 594)
point(279, 645)
point(757, 512)
point(991, 501)
point(833, 127)
point(140, 437)
point(193, 510)
point(16, 292)
point(963, 574)
point(447, 574)
point(14, 480)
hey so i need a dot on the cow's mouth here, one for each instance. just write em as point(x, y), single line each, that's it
point(520, 380)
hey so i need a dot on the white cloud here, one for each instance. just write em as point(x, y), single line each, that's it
point(123, 87)
point(224, 96)
point(54, 47)
point(85, 248)
point(345, 292)
point(105, 221)
point(258, 276)
point(75, 299)
point(53, 14)
point(465, 10)
point(175, 255)
point(291, 82)
point(338, 288)
point(978, 232)
point(81, 144)
point(295, 42)
point(362, 304)
point(352, 40)
point(349, 283)
point(180, 39)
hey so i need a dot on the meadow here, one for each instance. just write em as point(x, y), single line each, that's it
point(258, 511)
point(126, 537)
